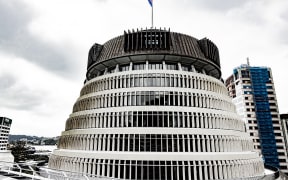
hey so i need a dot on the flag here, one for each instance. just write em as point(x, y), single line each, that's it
point(150, 2)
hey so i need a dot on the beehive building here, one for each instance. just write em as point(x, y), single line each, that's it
point(153, 106)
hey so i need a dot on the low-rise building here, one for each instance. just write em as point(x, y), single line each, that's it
point(5, 155)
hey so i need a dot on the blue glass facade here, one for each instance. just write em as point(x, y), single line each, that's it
point(259, 77)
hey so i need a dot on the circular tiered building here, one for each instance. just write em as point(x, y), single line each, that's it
point(154, 107)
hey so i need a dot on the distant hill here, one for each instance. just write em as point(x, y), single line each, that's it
point(18, 137)
point(33, 139)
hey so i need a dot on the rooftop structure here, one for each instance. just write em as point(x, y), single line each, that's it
point(153, 106)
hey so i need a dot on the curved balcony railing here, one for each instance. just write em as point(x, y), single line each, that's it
point(21, 170)
point(29, 171)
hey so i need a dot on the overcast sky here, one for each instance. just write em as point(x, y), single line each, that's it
point(44, 47)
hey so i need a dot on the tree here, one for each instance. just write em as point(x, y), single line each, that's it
point(20, 151)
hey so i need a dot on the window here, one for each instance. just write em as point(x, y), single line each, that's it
point(245, 73)
point(136, 80)
point(124, 67)
point(139, 66)
point(155, 65)
point(111, 70)
point(171, 66)
point(185, 68)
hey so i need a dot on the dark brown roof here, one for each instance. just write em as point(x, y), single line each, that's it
point(151, 42)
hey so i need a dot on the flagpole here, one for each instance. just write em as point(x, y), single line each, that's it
point(152, 14)
point(152, 18)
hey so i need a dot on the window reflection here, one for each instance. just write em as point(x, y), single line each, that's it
point(185, 67)
point(139, 66)
point(154, 119)
point(152, 80)
point(150, 66)
point(170, 66)
point(152, 98)
point(124, 67)
point(155, 65)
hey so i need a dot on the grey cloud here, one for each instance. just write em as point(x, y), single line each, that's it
point(251, 11)
point(284, 16)
point(223, 5)
point(244, 10)
point(15, 39)
point(282, 28)
point(16, 96)
point(6, 81)
point(282, 36)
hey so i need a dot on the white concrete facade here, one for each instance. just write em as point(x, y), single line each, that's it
point(284, 119)
point(208, 134)
point(5, 155)
point(156, 119)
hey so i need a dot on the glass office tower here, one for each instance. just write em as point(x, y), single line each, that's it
point(153, 106)
point(253, 92)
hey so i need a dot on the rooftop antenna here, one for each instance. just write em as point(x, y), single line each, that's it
point(248, 61)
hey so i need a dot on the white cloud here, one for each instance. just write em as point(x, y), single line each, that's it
point(34, 98)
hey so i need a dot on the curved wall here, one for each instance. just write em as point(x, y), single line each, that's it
point(154, 118)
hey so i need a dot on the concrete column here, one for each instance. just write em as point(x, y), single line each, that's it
point(200, 168)
point(179, 66)
point(205, 175)
point(208, 141)
point(198, 144)
point(189, 142)
point(210, 169)
point(195, 170)
point(203, 140)
point(193, 143)
point(103, 168)
point(189, 172)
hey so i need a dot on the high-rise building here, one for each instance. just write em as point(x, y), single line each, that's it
point(253, 92)
point(284, 119)
point(5, 155)
point(153, 106)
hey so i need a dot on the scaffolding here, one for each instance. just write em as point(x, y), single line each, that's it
point(259, 79)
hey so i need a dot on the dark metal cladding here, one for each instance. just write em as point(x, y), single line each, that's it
point(210, 50)
point(94, 52)
point(203, 54)
point(153, 39)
